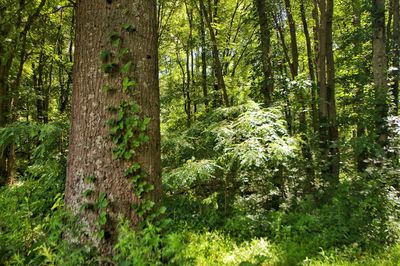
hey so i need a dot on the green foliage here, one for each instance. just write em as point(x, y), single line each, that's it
point(126, 82)
point(33, 223)
point(128, 27)
point(105, 55)
point(244, 147)
point(138, 248)
point(127, 130)
point(109, 68)
point(125, 69)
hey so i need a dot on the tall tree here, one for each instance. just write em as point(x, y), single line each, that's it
point(396, 54)
point(265, 36)
point(115, 83)
point(14, 32)
point(293, 40)
point(311, 68)
point(328, 128)
point(379, 68)
point(208, 18)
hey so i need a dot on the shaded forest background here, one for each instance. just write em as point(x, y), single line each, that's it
point(280, 135)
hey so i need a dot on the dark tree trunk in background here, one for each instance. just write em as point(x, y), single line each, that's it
point(215, 51)
point(311, 68)
point(7, 55)
point(90, 151)
point(293, 40)
point(65, 90)
point(396, 55)
point(361, 154)
point(265, 37)
point(203, 61)
point(328, 128)
point(379, 67)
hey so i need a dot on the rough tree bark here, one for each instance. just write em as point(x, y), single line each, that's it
point(90, 152)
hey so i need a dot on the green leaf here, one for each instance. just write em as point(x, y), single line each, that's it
point(102, 202)
point(87, 206)
point(102, 220)
point(109, 68)
point(90, 179)
point(127, 84)
point(125, 68)
point(105, 55)
point(88, 192)
point(128, 27)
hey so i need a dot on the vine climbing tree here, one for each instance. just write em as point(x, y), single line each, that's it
point(114, 158)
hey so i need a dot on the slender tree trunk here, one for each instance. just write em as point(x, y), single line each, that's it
point(379, 66)
point(215, 51)
point(65, 93)
point(311, 69)
point(203, 61)
point(265, 36)
point(361, 154)
point(389, 24)
point(107, 27)
point(396, 55)
point(293, 39)
point(328, 129)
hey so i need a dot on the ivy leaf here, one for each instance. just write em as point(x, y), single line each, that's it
point(122, 53)
point(87, 206)
point(90, 179)
point(125, 68)
point(103, 202)
point(109, 67)
point(88, 193)
point(127, 84)
point(128, 27)
point(102, 219)
point(105, 55)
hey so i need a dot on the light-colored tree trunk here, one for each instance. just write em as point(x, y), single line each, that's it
point(379, 67)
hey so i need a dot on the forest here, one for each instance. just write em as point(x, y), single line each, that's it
point(199, 132)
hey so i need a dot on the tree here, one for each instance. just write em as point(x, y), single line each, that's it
point(14, 31)
point(114, 155)
point(379, 69)
point(208, 17)
point(328, 129)
point(396, 54)
point(265, 36)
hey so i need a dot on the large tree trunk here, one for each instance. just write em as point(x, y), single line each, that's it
point(265, 36)
point(379, 67)
point(108, 27)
